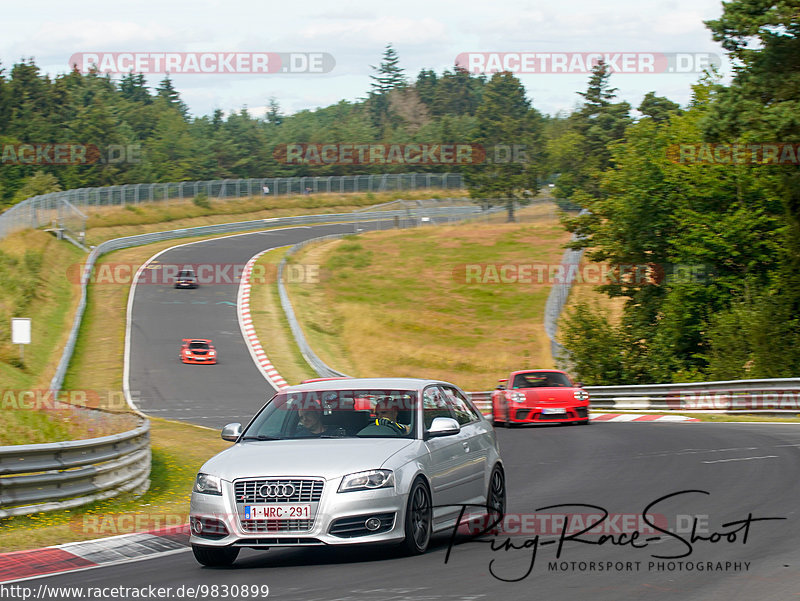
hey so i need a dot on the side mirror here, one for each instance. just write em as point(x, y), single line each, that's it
point(443, 426)
point(579, 384)
point(232, 432)
point(500, 387)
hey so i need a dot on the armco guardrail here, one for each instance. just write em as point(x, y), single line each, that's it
point(317, 364)
point(42, 210)
point(780, 395)
point(61, 475)
point(557, 299)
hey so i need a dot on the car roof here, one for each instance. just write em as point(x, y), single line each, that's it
point(365, 383)
point(531, 371)
point(190, 340)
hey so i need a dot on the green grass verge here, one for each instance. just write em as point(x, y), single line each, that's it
point(33, 267)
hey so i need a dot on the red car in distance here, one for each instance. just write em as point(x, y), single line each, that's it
point(539, 396)
point(198, 351)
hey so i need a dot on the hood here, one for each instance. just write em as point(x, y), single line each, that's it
point(325, 457)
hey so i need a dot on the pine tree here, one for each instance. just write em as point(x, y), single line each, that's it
point(274, 115)
point(168, 92)
point(132, 86)
point(389, 74)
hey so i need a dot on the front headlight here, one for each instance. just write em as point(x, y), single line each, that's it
point(518, 397)
point(207, 484)
point(367, 480)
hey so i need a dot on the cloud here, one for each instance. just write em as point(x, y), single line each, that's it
point(360, 33)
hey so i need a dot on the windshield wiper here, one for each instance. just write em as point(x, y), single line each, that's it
point(262, 437)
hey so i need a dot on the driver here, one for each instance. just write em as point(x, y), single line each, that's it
point(386, 412)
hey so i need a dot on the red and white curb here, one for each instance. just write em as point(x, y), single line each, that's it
point(633, 417)
point(72, 557)
point(248, 331)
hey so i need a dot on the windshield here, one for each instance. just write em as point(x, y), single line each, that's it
point(186, 274)
point(541, 379)
point(336, 414)
point(198, 345)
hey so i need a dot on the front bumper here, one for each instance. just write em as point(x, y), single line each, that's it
point(199, 360)
point(339, 519)
point(548, 415)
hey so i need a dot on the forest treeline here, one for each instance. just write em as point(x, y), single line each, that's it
point(717, 232)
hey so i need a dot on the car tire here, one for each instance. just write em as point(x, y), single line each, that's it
point(586, 423)
point(419, 519)
point(496, 495)
point(215, 557)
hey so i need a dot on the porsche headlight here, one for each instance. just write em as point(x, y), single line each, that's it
point(369, 480)
point(207, 484)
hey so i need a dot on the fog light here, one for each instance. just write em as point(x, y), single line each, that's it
point(372, 524)
point(197, 526)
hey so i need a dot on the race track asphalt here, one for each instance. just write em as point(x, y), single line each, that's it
point(161, 316)
point(746, 469)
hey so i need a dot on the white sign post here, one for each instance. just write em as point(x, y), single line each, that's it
point(21, 334)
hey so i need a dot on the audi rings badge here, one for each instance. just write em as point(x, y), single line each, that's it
point(277, 490)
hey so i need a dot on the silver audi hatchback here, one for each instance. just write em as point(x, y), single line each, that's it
point(348, 461)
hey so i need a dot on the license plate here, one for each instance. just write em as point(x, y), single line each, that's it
point(553, 411)
point(278, 511)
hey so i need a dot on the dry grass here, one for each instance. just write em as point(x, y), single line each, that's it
point(588, 293)
point(396, 302)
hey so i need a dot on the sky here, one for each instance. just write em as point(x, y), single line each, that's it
point(344, 39)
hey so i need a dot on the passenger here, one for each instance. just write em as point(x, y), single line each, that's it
point(310, 420)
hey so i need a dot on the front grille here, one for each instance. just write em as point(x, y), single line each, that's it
point(350, 527)
point(305, 491)
point(522, 414)
point(200, 353)
point(551, 416)
point(582, 411)
point(258, 526)
point(276, 542)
